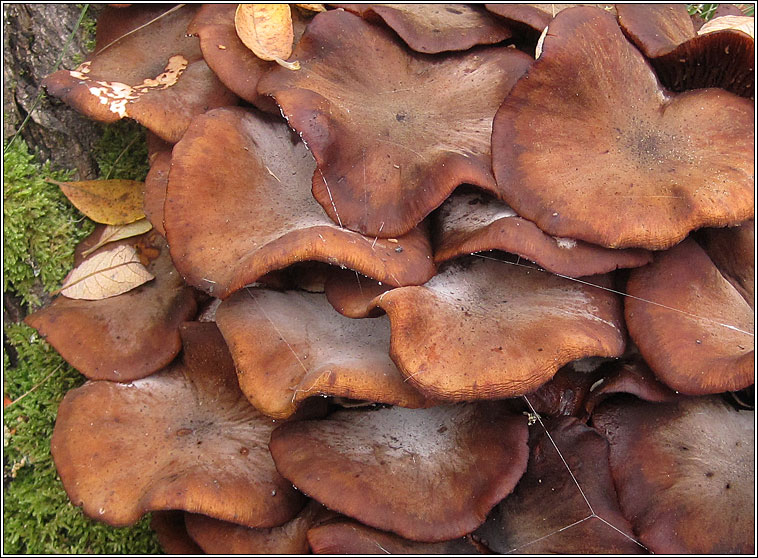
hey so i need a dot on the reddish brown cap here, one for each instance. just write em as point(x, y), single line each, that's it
point(554, 511)
point(590, 146)
point(352, 294)
point(144, 67)
point(290, 346)
point(732, 251)
point(185, 438)
point(155, 189)
point(386, 156)
point(472, 222)
point(238, 206)
point(682, 58)
point(172, 534)
point(344, 536)
point(426, 474)
point(234, 64)
point(223, 538)
point(691, 325)
point(136, 333)
point(685, 473)
point(434, 28)
point(484, 329)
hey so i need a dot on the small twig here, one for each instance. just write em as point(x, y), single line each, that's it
point(123, 151)
point(38, 384)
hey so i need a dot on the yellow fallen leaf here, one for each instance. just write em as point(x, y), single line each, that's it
point(111, 202)
point(312, 7)
point(112, 233)
point(266, 29)
point(108, 273)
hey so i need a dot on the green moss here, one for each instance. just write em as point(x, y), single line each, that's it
point(122, 152)
point(40, 227)
point(88, 30)
point(38, 517)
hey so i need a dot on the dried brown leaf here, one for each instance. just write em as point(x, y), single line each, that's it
point(112, 233)
point(110, 272)
point(266, 29)
point(312, 7)
point(111, 202)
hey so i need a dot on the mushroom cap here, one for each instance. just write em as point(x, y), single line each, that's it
point(732, 250)
point(684, 473)
point(185, 438)
point(425, 474)
point(234, 64)
point(386, 156)
point(691, 325)
point(223, 538)
point(156, 182)
point(137, 332)
point(345, 536)
point(591, 147)
point(684, 59)
point(172, 534)
point(144, 67)
point(547, 513)
point(352, 295)
point(290, 346)
point(474, 222)
point(238, 206)
point(531, 19)
point(484, 329)
point(435, 28)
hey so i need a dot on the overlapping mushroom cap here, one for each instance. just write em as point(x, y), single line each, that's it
point(433, 28)
point(691, 325)
point(685, 59)
point(386, 155)
point(144, 67)
point(290, 346)
point(425, 474)
point(684, 473)
point(238, 205)
point(185, 438)
point(565, 503)
point(124, 337)
point(589, 146)
point(468, 223)
point(483, 329)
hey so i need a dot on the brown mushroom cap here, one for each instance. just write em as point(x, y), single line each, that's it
point(345, 536)
point(238, 205)
point(732, 250)
point(684, 473)
point(483, 329)
point(144, 67)
point(547, 513)
point(352, 295)
point(223, 538)
point(386, 155)
point(156, 182)
point(691, 325)
point(425, 474)
point(474, 222)
point(531, 19)
point(434, 28)
point(682, 58)
point(172, 534)
point(124, 337)
point(185, 438)
point(590, 146)
point(290, 346)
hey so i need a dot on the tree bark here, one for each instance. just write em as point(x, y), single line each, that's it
point(34, 37)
